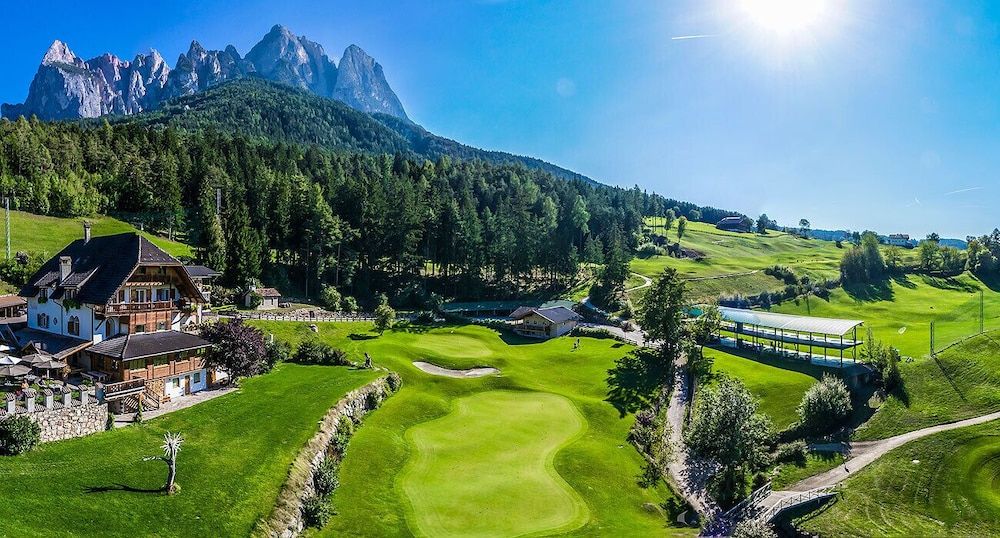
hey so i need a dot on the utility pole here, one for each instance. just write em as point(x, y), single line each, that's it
point(6, 207)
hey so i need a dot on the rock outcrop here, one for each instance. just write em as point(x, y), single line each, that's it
point(67, 87)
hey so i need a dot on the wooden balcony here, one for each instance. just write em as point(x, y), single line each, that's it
point(124, 388)
point(114, 309)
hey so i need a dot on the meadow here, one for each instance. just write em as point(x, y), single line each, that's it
point(733, 262)
point(37, 233)
point(942, 485)
point(235, 457)
point(954, 385)
point(484, 451)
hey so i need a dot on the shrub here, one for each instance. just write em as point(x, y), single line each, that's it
point(345, 428)
point(649, 249)
point(826, 405)
point(315, 352)
point(372, 399)
point(349, 304)
point(330, 298)
point(782, 273)
point(425, 317)
point(394, 381)
point(109, 424)
point(325, 479)
point(277, 351)
point(754, 528)
point(316, 511)
point(18, 434)
point(794, 451)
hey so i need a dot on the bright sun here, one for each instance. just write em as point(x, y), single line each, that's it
point(785, 17)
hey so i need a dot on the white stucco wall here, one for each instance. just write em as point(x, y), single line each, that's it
point(177, 391)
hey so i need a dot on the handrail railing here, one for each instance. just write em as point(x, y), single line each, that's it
point(123, 388)
point(795, 500)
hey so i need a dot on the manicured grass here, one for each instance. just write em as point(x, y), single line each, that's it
point(235, 457)
point(729, 253)
point(463, 481)
point(778, 384)
point(960, 382)
point(816, 462)
point(599, 466)
point(942, 485)
point(29, 232)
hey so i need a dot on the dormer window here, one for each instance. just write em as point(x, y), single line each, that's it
point(43, 294)
point(70, 293)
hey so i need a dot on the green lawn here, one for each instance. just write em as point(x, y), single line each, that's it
point(960, 383)
point(236, 456)
point(29, 232)
point(507, 475)
point(729, 254)
point(778, 384)
point(943, 485)
point(377, 495)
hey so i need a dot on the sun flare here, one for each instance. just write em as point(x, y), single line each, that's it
point(785, 17)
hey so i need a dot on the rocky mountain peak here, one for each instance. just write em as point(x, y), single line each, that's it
point(59, 53)
point(67, 87)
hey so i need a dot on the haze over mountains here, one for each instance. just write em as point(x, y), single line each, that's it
point(68, 87)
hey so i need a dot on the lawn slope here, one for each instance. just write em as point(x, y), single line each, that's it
point(235, 457)
point(37, 233)
point(942, 485)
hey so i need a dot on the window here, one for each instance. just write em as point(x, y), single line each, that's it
point(70, 294)
point(139, 296)
point(140, 329)
point(73, 326)
point(177, 383)
point(43, 321)
point(109, 329)
point(121, 296)
point(161, 360)
point(197, 377)
point(43, 294)
point(161, 325)
point(163, 294)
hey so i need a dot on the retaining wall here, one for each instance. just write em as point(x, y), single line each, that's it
point(286, 520)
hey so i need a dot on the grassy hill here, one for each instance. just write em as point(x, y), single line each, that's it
point(235, 457)
point(733, 262)
point(257, 108)
point(49, 235)
point(954, 385)
point(943, 485)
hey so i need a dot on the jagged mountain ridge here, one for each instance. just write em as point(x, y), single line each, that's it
point(67, 87)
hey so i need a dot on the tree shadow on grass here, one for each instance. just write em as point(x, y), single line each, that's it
point(950, 284)
point(120, 487)
point(359, 336)
point(870, 292)
point(512, 339)
point(633, 382)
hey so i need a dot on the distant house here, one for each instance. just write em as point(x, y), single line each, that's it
point(269, 298)
point(203, 277)
point(898, 240)
point(544, 322)
point(734, 223)
point(12, 308)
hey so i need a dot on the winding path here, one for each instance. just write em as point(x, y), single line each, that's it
point(863, 453)
point(646, 282)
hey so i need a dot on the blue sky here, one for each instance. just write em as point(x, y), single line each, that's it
point(881, 115)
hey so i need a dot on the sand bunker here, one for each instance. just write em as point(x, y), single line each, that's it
point(434, 369)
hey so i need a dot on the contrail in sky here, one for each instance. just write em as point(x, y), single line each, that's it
point(695, 36)
point(959, 191)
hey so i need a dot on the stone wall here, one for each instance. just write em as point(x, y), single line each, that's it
point(286, 520)
point(69, 422)
point(59, 414)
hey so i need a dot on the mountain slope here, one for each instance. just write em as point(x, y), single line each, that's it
point(259, 108)
point(67, 87)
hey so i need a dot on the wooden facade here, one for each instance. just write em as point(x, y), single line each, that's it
point(149, 368)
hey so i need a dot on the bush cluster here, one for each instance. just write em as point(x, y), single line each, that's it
point(315, 352)
point(794, 451)
point(316, 511)
point(394, 381)
point(18, 434)
point(826, 405)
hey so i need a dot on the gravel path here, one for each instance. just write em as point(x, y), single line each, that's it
point(434, 369)
point(689, 479)
point(647, 282)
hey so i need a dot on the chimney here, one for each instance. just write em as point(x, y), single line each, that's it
point(65, 267)
point(86, 232)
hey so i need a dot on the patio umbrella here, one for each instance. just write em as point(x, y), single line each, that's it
point(36, 358)
point(50, 364)
point(7, 360)
point(14, 370)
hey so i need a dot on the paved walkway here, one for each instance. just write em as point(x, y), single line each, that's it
point(647, 282)
point(688, 478)
point(179, 403)
point(865, 452)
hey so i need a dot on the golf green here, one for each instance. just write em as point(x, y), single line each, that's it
point(486, 468)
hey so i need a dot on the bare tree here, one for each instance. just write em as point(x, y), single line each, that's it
point(171, 446)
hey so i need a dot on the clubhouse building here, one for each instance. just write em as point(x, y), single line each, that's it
point(544, 322)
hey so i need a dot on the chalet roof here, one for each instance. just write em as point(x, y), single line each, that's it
point(555, 314)
point(142, 345)
point(59, 346)
point(7, 301)
point(200, 271)
point(269, 292)
point(99, 267)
